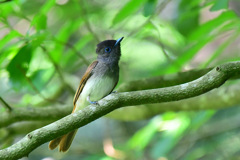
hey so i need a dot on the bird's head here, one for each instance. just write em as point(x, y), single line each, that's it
point(109, 50)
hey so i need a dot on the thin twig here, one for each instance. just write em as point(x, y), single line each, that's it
point(6, 105)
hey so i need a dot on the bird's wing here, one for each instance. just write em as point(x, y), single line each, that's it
point(83, 81)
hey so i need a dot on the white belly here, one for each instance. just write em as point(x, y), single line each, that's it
point(96, 88)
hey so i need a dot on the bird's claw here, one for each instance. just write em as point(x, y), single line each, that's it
point(114, 91)
point(92, 102)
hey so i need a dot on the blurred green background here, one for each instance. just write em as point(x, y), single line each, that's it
point(46, 46)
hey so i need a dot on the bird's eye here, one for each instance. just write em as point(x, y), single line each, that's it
point(107, 49)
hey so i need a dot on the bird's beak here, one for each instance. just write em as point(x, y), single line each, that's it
point(118, 41)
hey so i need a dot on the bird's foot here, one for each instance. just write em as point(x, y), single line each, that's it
point(92, 102)
point(114, 92)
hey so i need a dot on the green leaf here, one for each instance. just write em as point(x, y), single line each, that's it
point(149, 7)
point(40, 22)
point(8, 49)
point(18, 66)
point(62, 37)
point(219, 4)
point(188, 16)
point(38, 38)
point(8, 52)
point(47, 6)
point(7, 8)
point(220, 49)
point(187, 56)
point(41, 77)
point(209, 26)
point(6, 39)
point(131, 7)
point(200, 37)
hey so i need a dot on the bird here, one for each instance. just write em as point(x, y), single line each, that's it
point(99, 80)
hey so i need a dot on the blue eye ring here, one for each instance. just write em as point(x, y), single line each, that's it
point(107, 49)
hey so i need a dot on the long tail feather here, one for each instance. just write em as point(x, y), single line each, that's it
point(66, 141)
point(54, 143)
point(63, 142)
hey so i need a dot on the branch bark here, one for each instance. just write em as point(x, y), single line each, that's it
point(213, 79)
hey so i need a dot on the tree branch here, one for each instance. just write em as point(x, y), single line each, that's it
point(140, 112)
point(59, 111)
point(227, 96)
point(224, 97)
point(163, 81)
point(33, 114)
point(16, 129)
point(215, 78)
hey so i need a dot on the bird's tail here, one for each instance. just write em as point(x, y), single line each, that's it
point(63, 142)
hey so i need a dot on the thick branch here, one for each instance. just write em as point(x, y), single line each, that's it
point(57, 112)
point(16, 129)
point(211, 80)
point(163, 81)
point(227, 96)
point(33, 114)
point(223, 97)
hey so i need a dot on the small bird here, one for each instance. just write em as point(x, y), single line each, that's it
point(99, 80)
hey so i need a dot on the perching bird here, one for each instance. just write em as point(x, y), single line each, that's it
point(99, 80)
